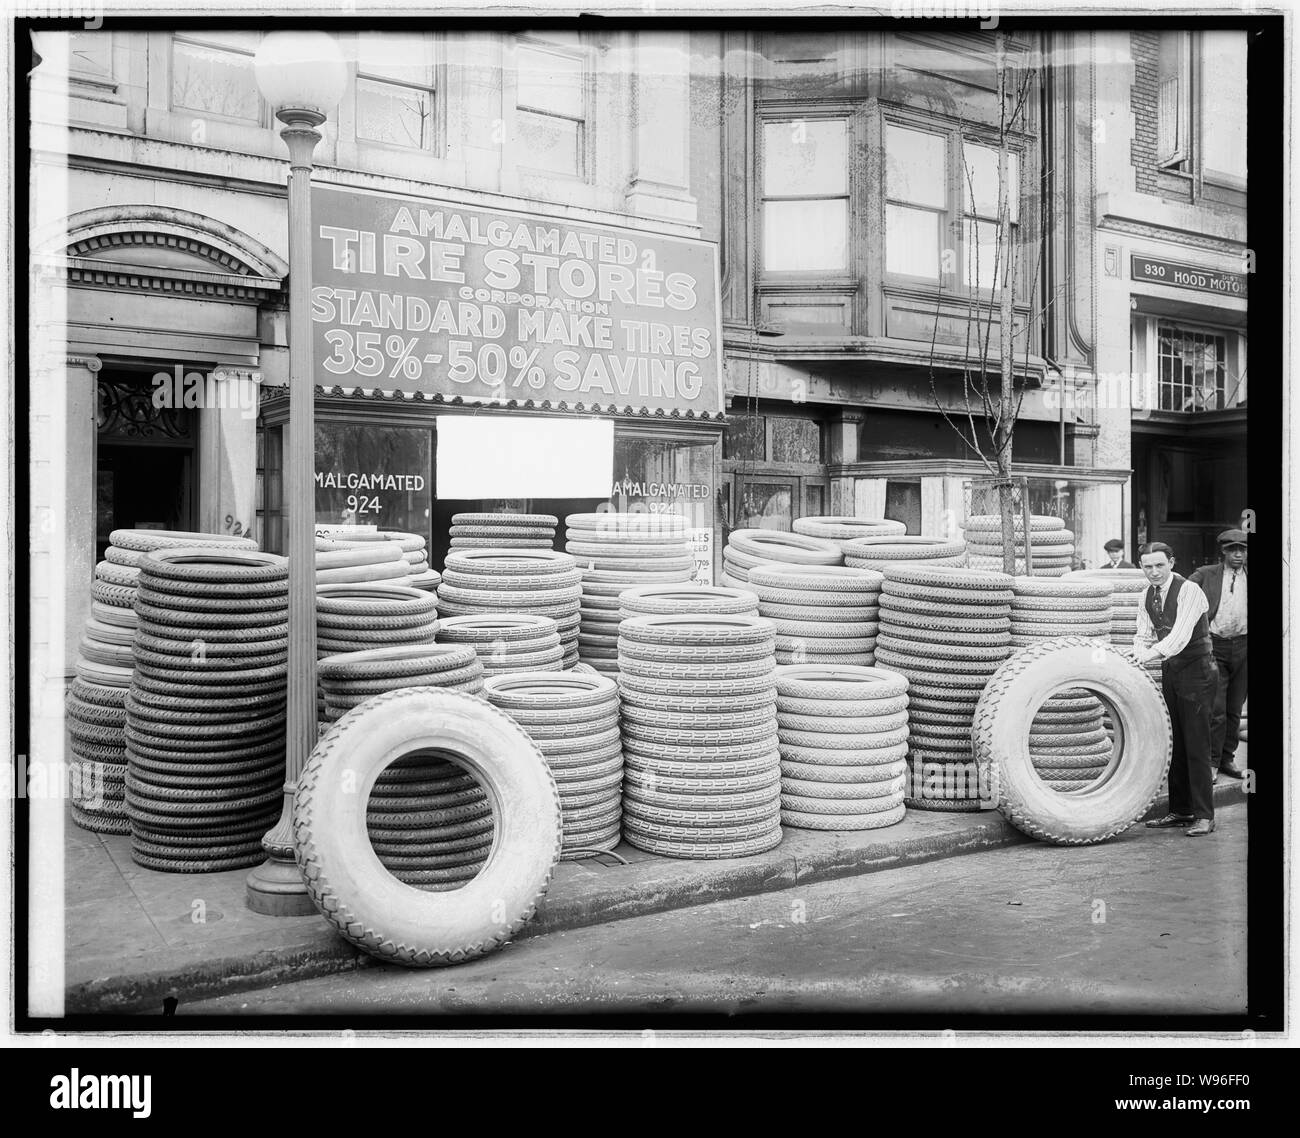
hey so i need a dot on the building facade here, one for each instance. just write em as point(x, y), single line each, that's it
point(1173, 270)
point(848, 181)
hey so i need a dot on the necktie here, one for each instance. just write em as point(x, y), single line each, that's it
point(1232, 585)
point(1160, 603)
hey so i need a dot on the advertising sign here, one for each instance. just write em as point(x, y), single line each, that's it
point(492, 305)
point(1189, 276)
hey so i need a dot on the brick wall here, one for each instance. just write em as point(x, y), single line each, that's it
point(1145, 97)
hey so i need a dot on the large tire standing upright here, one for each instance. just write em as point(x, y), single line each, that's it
point(369, 906)
point(1142, 747)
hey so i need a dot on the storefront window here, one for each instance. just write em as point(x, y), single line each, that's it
point(657, 476)
point(764, 505)
point(368, 474)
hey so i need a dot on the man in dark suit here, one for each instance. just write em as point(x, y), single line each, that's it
point(1115, 555)
point(1172, 628)
point(1224, 586)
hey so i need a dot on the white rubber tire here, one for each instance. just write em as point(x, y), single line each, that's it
point(368, 906)
point(1001, 741)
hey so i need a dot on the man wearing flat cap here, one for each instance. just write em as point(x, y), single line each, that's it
point(1115, 555)
point(1224, 586)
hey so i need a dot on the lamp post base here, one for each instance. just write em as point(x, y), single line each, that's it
point(276, 889)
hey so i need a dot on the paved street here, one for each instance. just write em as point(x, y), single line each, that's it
point(1153, 922)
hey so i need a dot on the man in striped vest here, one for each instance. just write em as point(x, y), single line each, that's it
point(1172, 628)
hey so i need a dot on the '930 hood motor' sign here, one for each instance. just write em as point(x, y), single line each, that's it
point(491, 305)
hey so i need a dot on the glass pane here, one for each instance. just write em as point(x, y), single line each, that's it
point(1223, 95)
point(374, 475)
point(656, 476)
point(915, 165)
point(745, 437)
point(796, 440)
point(399, 116)
point(980, 265)
point(805, 156)
point(912, 242)
point(981, 177)
point(814, 501)
point(543, 142)
point(550, 81)
point(764, 505)
point(903, 503)
point(799, 236)
point(214, 81)
point(406, 57)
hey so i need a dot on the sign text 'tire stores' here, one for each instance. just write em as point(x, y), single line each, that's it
point(493, 305)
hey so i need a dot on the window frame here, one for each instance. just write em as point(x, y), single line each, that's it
point(1178, 155)
point(436, 86)
point(792, 111)
point(264, 120)
point(583, 52)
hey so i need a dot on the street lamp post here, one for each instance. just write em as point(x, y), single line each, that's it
point(302, 76)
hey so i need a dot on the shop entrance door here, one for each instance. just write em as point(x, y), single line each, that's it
point(144, 467)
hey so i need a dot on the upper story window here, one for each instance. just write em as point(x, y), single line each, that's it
point(396, 89)
point(1174, 99)
point(916, 201)
point(805, 179)
point(551, 107)
point(941, 216)
point(981, 196)
point(212, 74)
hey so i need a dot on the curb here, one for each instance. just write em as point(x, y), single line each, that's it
point(313, 950)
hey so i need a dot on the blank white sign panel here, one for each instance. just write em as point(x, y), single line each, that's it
point(495, 456)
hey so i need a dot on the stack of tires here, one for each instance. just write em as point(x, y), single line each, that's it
point(352, 562)
point(840, 528)
point(1127, 588)
point(574, 720)
point(96, 707)
point(880, 552)
point(350, 678)
point(823, 614)
point(680, 600)
point(1069, 739)
point(531, 582)
point(946, 629)
point(703, 775)
point(205, 716)
point(1051, 545)
point(508, 643)
point(355, 618)
point(96, 702)
point(618, 551)
point(843, 735)
point(118, 574)
point(748, 549)
point(503, 531)
point(412, 545)
point(430, 823)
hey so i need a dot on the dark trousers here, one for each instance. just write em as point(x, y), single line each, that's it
point(1189, 693)
point(1225, 719)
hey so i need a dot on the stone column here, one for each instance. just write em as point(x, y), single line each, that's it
point(660, 182)
point(228, 438)
point(869, 498)
point(842, 440)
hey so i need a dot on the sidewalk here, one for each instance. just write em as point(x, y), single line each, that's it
point(134, 937)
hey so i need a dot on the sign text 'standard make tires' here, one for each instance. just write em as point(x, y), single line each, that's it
point(345, 878)
point(1132, 778)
